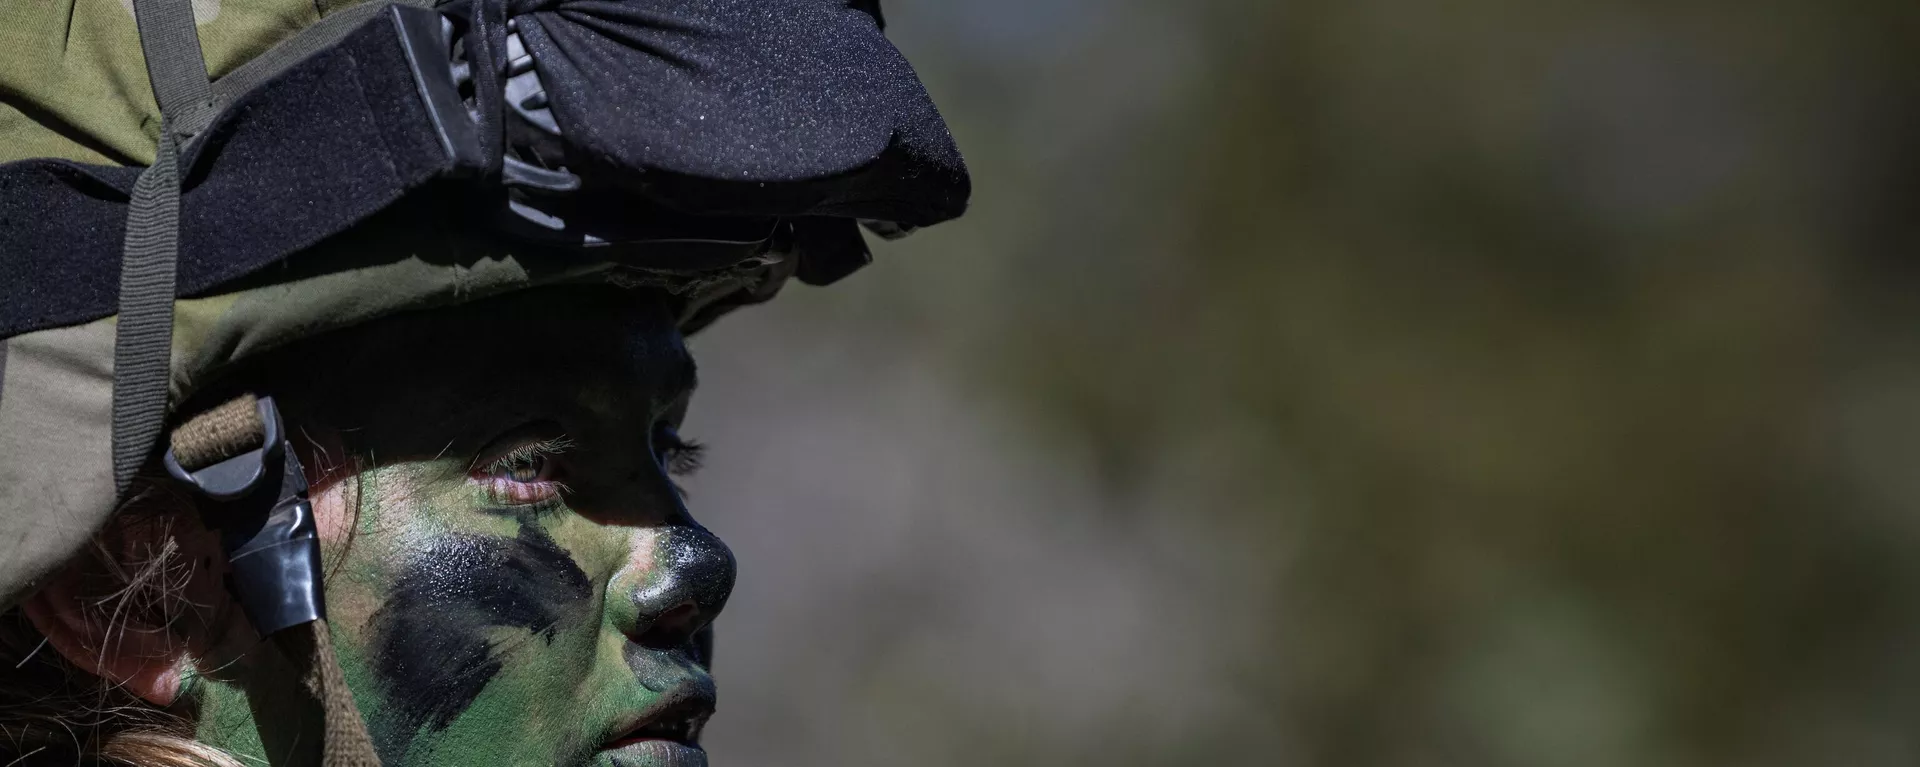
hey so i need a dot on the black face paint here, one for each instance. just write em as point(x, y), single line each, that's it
point(429, 640)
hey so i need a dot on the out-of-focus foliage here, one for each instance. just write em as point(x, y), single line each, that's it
point(1353, 383)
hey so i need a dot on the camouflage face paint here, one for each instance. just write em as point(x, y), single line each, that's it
point(483, 616)
point(431, 649)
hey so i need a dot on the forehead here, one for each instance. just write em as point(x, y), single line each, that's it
point(619, 336)
point(605, 331)
point(603, 352)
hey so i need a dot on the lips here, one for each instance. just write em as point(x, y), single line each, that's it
point(666, 734)
point(679, 724)
point(657, 753)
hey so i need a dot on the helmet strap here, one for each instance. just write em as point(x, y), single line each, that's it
point(238, 457)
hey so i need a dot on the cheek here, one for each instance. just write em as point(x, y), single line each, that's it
point(643, 568)
point(331, 514)
point(463, 608)
point(331, 480)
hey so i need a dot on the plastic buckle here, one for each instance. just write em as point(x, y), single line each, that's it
point(425, 38)
point(267, 528)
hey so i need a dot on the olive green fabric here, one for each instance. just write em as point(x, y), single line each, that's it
point(56, 458)
point(73, 83)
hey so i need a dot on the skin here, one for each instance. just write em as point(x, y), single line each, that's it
point(488, 608)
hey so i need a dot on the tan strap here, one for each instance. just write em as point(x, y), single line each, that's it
point(219, 434)
point(310, 647)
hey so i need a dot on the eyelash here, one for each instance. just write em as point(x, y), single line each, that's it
point(501, 486)
point(679, 456)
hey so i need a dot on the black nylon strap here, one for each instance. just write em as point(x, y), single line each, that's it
point(174, 63)
point(143, 337)
point(325, 33)
point(338, 137)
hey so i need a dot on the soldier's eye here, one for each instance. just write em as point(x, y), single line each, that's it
point(527, 474)
point(532, 469)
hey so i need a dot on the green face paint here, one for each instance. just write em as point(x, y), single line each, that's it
point(534, 593)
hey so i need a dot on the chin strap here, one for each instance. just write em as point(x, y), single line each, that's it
point(309, 646)
point(237, 456)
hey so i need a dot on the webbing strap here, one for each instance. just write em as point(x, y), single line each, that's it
point(218, 434)
point(143, 338)
point(150, 253)
point(345, 742)
point(174, 63)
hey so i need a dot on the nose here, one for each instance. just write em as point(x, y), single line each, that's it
point(682, 580)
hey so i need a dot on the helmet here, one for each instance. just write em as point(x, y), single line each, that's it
point(309, 167)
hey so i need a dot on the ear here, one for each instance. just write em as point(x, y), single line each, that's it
point(137, 621)
point(145, 660)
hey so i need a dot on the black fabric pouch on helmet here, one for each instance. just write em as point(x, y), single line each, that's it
point(761, 107)
point(591, 124)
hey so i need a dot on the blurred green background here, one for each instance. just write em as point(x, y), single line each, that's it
point(1352, 383)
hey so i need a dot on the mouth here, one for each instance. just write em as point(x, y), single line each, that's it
point(672, 742)
point(663, 729)
point(673, 726)
point(667, 734)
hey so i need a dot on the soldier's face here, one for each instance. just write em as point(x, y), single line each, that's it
point(514, 579)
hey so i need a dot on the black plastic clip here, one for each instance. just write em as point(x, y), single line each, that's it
point(267, 528)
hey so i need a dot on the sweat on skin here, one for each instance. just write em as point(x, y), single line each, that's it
point(512, 576)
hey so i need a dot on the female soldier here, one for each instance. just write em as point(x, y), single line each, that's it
point(512, 578)
point(404, 491)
